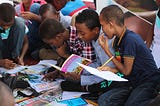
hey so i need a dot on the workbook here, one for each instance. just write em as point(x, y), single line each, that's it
point(70, 64)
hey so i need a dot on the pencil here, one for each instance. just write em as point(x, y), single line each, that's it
point(56, 67)
point(107, 61)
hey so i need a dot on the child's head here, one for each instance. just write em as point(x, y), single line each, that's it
point(111, 18)
point(7, 15)
point(52, 32)
point(88, 25)
point(48, 11)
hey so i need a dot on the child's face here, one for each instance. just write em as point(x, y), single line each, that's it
point(5, 25)
point(57, 41)
point(106, 27)
point(85, 34)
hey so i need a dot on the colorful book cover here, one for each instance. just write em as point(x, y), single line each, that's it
point(70, 64)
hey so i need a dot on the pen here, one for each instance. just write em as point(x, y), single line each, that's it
point(107, 61)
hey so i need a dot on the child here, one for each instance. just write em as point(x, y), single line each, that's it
point(135, 61)
point(68, 7)
point(29, 11)
point(66, 41)
point(88, 28)
point(48, 11)
point(13, 43)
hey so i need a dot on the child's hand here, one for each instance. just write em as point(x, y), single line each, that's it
point(51, 76)
point(103, 41)
point(20, 61)
point(6, 63)
point(105, 68)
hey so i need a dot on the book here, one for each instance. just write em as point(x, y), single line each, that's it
point(70, 64)
point(37, 101)
point(32, 69)
point(74, 102)
point(36, 82)
point(108, 75)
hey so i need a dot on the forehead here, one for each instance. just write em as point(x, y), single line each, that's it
point(3, 23)
point(81, 26)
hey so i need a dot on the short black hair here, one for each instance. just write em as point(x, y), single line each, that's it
point(49, 28)
point(7, 12)
point(46, 7)
point(89, 17)
point(113, 12)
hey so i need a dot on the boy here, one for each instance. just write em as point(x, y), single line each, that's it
point(13, 43)
point(88, 28)
point(136, 62)
point(66, 41)
point(48, 11)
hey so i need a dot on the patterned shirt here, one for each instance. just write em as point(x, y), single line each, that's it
point(80, 47)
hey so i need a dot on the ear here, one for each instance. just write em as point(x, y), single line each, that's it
point(96, 30)
point(111, 24)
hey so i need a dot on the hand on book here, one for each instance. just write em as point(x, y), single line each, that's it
point(51, 76)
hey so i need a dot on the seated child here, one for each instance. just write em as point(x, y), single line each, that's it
point(137, 63)
point(13, 43)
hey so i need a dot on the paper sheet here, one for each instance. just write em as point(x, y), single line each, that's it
point(103, 74)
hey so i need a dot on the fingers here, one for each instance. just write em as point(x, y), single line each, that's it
point(9, 64)
point(50, 76)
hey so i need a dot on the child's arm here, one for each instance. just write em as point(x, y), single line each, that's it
point(124, 68)
point(23, 51)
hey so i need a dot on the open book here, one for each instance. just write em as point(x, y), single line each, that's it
point(103, 74)
point(70, 64)
point(33, 69)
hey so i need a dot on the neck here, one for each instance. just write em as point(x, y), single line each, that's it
point(121, 31)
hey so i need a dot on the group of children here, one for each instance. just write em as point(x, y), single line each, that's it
point(93, 36)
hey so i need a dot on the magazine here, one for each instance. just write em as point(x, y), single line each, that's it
point(36, 82)
point(70, 64)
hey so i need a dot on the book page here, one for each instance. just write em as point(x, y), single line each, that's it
point(13, 71)
point(70, 64)
point(103, 74)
